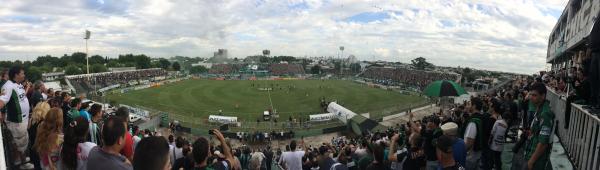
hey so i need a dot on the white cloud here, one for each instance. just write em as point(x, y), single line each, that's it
point(499, 35)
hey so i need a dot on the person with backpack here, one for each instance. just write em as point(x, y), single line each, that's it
point(474, 133)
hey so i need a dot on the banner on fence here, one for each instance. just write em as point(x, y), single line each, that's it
point(222, 119)
point(322, 117)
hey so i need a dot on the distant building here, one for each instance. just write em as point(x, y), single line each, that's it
point(52, 76)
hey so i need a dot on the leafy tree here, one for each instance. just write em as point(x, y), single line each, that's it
point(315, 69)
point(47, 60)
point(78, 57)
point(176, 66)
point(127, 58)
point(97, 68)
point(113, 63)
point(73, 70)
point(96, 59)
point(467, 74)
point(142, 61)
point(421, 63)
point(33, 73)
point(164, 63)
point(198, 69)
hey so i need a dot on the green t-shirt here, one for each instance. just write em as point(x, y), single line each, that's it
point(541, 131)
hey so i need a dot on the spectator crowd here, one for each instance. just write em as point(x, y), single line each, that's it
point(100, 80)
point(396, 76)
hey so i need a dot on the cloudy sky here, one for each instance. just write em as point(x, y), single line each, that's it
point(503, 35)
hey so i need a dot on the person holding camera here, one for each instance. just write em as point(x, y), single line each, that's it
point(202, 152)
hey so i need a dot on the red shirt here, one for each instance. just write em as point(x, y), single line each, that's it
point(127, 150)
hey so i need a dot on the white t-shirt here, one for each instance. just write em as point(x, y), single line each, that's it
point(498, 135)
point(175, 153)
point(7, 89)
point(83, 151)
point(360, 152)
point(471, 131)
point(292, 160)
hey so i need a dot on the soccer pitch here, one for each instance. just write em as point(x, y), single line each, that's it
point(248, 99)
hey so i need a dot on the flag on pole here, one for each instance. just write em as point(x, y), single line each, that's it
point(87, 34)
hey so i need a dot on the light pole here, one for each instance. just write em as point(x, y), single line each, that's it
point(87, 60)
point(342, 60)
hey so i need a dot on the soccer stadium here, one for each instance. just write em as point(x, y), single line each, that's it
point(248, 99)
point(300, 85)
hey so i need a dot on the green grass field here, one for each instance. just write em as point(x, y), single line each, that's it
point(298, 98)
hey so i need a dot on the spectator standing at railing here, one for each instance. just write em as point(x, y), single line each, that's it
point(17, 112)
point(537, 150)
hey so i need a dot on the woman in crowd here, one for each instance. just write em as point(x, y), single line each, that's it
point(49, 138)
point(76, 149)
point(39, 112)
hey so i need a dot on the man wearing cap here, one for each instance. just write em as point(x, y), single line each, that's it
point(444, 145)
point(459, 151)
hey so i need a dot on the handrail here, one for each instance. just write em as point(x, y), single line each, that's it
point(581, 138)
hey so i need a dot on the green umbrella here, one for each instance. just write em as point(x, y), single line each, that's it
point(443, 88)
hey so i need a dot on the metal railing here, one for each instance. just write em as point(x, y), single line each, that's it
point(581, 138)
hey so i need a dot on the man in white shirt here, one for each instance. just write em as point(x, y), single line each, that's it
point(292, 160)
point(17, 112)
point(472, 136)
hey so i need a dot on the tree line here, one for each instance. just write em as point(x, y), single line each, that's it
point(76, 64)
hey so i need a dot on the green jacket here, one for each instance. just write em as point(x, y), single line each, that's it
point(540, 132)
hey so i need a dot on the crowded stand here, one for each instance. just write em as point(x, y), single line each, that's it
point(89, 82)
point(286, 69)
point(416, 78)
point(221, 69)
point(225, 68)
